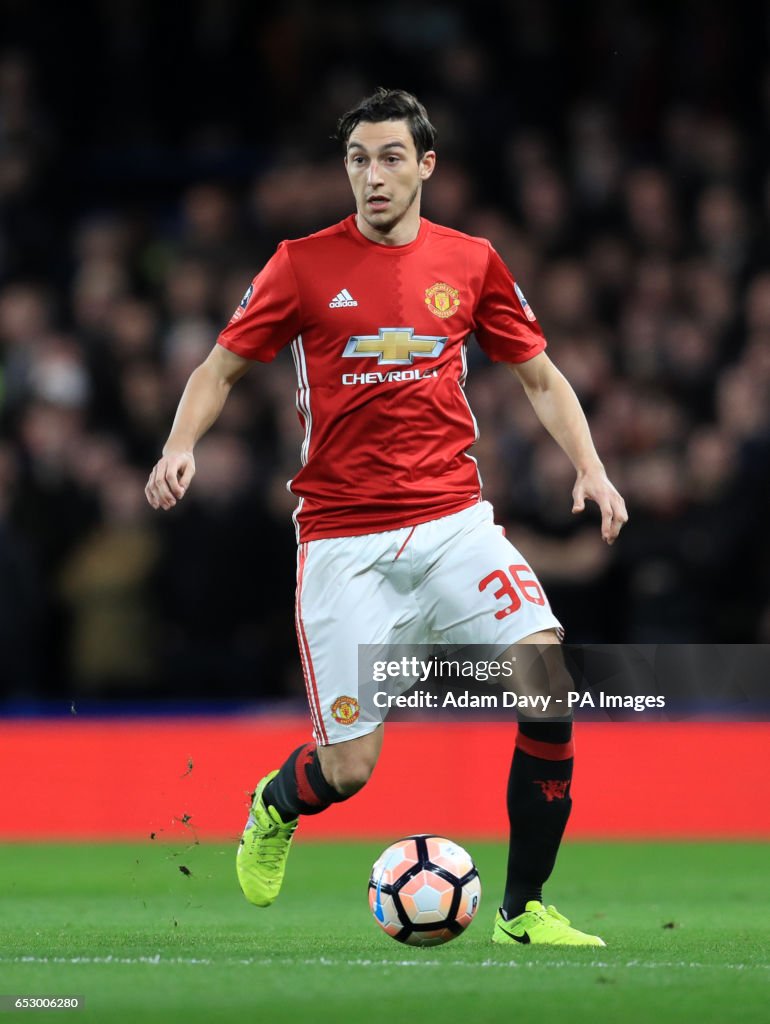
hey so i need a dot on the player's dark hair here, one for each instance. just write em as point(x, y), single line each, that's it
point(390, 105)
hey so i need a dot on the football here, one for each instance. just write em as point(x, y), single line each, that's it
point(424, 890)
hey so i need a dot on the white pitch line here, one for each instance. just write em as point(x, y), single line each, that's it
point(160, 961)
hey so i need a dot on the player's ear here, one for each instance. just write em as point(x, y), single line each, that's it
point(427, 164)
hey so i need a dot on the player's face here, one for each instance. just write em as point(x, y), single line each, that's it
point(386, 176)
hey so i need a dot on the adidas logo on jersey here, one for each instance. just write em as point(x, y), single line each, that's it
point(343, 298)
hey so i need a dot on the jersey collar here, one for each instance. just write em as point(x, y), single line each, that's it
point(392, 250)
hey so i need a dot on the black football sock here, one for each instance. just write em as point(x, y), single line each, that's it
point(539, 805)
point(300, 786)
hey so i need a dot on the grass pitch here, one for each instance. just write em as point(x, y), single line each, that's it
point(686, 926)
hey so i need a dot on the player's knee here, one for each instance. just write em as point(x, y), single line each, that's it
point(350, 776)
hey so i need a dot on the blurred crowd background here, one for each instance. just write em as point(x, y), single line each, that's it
point(152, 156)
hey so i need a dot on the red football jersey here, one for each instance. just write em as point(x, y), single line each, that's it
point(378, 335)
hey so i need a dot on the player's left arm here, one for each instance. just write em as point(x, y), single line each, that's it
point(560, 412)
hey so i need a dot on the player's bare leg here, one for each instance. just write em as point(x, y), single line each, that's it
point(539, 800)
point(348, 766)
point(540, 671)
point(310, 780)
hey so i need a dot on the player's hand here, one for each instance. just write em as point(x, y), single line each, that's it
point(595, 486)
point(170, 479)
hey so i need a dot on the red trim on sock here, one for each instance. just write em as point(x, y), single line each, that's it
point(306, 792)
point(545, 751)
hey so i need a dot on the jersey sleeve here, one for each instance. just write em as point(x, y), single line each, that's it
point(268, 316)
point(505, 326)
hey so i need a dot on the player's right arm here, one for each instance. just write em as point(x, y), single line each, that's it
point(201, 403)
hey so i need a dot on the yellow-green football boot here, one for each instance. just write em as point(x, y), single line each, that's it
point(541, 926)
point(263, 850)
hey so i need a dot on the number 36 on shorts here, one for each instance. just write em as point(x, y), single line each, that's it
point(513, 583)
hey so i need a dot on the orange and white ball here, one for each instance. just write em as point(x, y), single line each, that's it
point(424, 890)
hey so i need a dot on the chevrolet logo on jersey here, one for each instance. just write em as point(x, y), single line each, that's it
point(395, 346)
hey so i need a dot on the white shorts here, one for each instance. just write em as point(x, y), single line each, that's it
point(453, 580)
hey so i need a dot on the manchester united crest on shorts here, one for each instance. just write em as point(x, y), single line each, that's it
point(442, 299)
point(345, 710)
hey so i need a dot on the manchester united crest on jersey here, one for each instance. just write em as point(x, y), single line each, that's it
point(442, 299)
